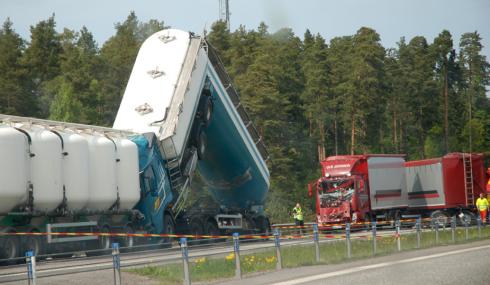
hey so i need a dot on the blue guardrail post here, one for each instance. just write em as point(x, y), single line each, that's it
point(116, 263)
point(185, 260)
point(277, 243)
point(316, 239)
point(374, 237)
point(418, 226)
point(31, 267)
point(347, 240)
point(236, 247)
point(453, 229)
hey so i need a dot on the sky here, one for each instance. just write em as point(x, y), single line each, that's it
point(392, 19)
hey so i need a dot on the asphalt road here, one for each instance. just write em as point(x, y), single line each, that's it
point(460, 264)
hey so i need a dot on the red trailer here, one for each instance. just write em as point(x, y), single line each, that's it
point(359, 188)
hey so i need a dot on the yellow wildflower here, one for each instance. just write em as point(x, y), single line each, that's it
point(230, 256)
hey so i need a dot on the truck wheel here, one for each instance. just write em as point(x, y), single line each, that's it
point(196, 228)
point(9, 248)
point(201, 143)
point(263, 225)
point(168, 228)
point(103, 244)
point(34, 243)
point(128, 242)
point(440, 218)
point(205, 111)
point(465, 216)
point(212, 229)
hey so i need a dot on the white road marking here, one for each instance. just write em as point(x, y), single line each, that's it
point(378, 265)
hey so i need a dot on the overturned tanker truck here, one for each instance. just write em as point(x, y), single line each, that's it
point(180, 132)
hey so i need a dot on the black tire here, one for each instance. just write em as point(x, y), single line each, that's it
point(168, 228)
point(440, 218)
point(263, 225)
point(466, 216)
point(211, 228)
point(35, 244)
point(201, 143)
point(9, 248)
point(103, 244)
point(367, 222)
point(196, 228)
point(128, 242)
point(205, 112)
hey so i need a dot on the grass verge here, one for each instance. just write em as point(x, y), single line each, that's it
point(212, 268)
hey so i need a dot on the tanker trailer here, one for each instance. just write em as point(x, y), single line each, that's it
point(216, 160)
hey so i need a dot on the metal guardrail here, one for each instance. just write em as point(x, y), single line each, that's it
point(192, 248)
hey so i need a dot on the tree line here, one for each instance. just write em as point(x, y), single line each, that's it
point(308, 97)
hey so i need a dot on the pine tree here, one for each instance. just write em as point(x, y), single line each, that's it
point(219, 37)
point(475, 78)
point(317, 97)
point(42, 57)
point(15, 97)
point(117, 55)
point(445, 65)
point(365, 103)
point(339, 58)
point(419, 98)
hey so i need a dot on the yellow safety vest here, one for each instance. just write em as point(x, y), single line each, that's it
point(482, 204)
point(298, 214)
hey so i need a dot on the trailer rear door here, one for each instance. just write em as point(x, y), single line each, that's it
point(387, 183)
point(425, 183)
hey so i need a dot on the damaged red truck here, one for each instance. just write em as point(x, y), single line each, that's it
point(361, 188)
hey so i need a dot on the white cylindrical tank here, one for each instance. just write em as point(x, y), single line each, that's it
point(75, 170)
point(14, 168)
point(102, 172)
point(46, 168)
point(127, 173)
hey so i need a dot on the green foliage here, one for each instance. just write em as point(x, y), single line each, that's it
point(308, 98)
point(15, 98)
point(65, 107)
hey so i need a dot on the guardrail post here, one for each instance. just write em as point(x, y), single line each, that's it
point(31, 267)
point(453, 229)
point(116, 263)
point(478, 222)
point(316, 239)
point(185, 260)
point(374, 236)
point(398, 237)
point(436, 228)
point(236, 246)
point(418, 226)
point(466, 229)
point(278, 249)
point(347, 240)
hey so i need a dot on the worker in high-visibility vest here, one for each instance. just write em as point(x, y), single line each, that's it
point(298, 217)
point(482, 206)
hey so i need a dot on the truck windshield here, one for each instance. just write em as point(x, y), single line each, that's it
point(333, 192)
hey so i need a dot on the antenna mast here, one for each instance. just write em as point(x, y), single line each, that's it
point(224, 12)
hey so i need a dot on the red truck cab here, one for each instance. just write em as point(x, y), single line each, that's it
point(343, 192)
